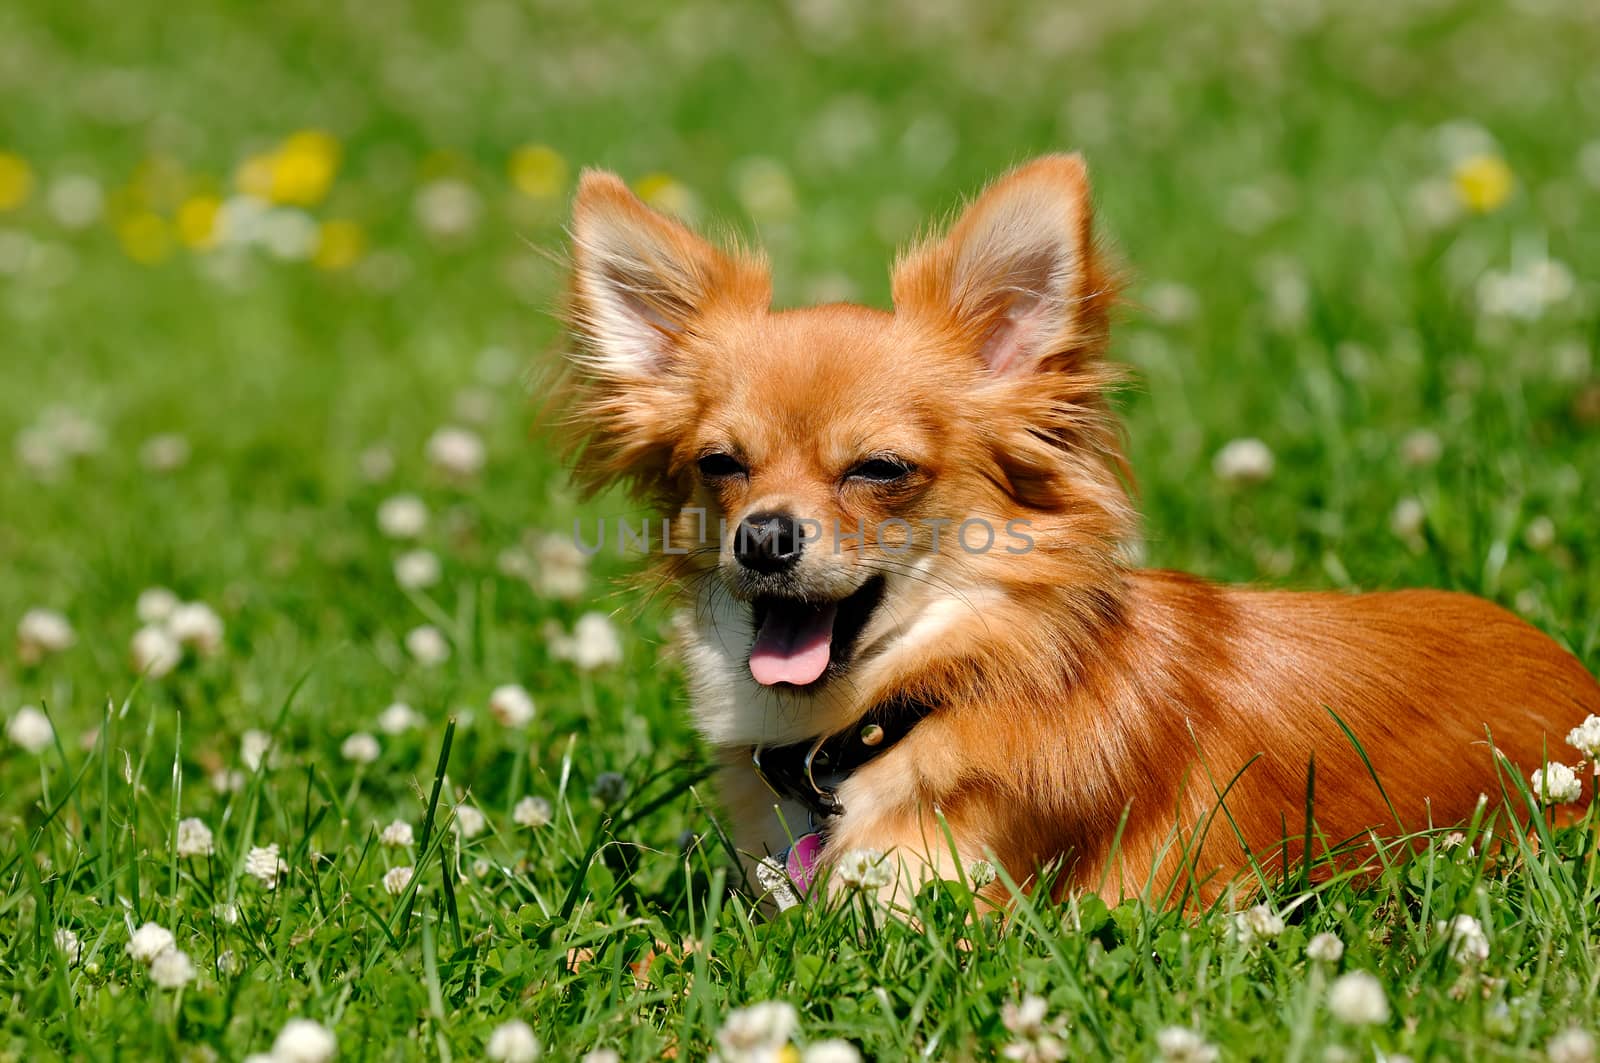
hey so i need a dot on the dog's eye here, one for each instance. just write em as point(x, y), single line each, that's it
point(880, 470)
point(720, 466)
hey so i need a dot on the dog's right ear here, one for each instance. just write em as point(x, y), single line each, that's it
point(643, 289)
point(641, 281)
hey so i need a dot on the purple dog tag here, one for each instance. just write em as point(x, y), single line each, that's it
point(801, 861)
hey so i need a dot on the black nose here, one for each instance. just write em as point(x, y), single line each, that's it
point(768, 542)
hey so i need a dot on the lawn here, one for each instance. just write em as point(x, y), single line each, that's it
point(276, 294)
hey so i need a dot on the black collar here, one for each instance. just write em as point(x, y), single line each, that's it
point(810, 771)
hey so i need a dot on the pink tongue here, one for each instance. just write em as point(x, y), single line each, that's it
point(792, 645)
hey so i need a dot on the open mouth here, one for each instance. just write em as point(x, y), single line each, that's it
point(797, 641)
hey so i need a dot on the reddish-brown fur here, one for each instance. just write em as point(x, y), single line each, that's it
point(1072, 689)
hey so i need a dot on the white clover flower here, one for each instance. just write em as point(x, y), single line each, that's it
point(30, 729)
point(360, 748)
point(197, 626)
point(448, 208)
point(265, 865)
point(458, 452)
point(514, 563)
point(427, 645)
point(594, 643)
point(417, 570)
point(512, 1042)
point(475, 405)
point(1407, 518)
point(228, 913)
point(1325, 948)
point(397, 879)
point(1556, 784)
point(154, 651)
point(1357, 999)
point(1171, 303)
point(68, 943)
point(1244, 461)
point(562, 568)
point(469, 821)
point(1573, 1045)
point(304, 1041)
point(1260, 923)
point(376, 463)
point(864, 869)
point(1525, 293)
point(512, 705)
point(39, 453)
point(172, 969)
point(1454, 840)
point(981, 873)
point(1469, 944)
point(1434, 202)
point(194, 838)
point(749, 1032)
point(1179, 1044)
point(1540, 534)
point(289, 234)
point(1420, 448)
point(253, 748)
point(227, 781)
point(165, 452)
point(531, 812)
point(398, 719)
point(150, 941)
point(156, 605)
point(1586, 737)
point(42, 632)
point(831, 1051)
point(72, 432)
point(402, 517)
point(398, 834)
point(1459, 139)
point(75, 200)
point(1025, 1017)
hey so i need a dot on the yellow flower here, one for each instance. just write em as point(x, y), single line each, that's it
point(145, 237)
point(303, 168)
point(538, 171)
point(16, 181)
point(1484, 183)
point(667, 193)
point(299, 172)
point(197, 222)
point(339, 244)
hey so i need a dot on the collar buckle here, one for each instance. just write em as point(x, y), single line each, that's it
point(790, 771)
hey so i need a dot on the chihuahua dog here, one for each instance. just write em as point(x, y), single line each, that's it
point(910, 626)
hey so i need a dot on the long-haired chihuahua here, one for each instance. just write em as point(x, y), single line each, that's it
point(909, 625)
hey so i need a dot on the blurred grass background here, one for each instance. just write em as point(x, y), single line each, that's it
point(252, 258)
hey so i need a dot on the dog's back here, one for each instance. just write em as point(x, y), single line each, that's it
point(1424, 680)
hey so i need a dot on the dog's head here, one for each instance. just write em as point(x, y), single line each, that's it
point(859, 491)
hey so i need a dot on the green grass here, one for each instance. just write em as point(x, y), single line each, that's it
point(1270, 174)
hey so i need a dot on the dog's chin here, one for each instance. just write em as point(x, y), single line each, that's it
point(802, 645)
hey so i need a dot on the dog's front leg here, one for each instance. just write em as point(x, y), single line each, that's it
point(763, 824)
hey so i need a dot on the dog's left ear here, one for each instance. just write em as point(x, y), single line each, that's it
point(1017, 276)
